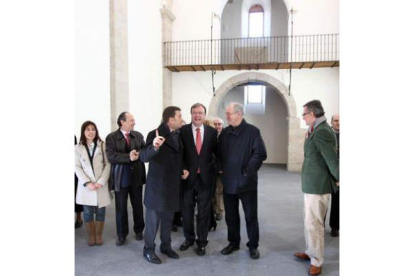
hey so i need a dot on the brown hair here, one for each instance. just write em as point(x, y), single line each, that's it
point(169, 112)
point(83, 139)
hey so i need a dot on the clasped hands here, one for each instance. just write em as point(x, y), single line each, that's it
point(93, 186)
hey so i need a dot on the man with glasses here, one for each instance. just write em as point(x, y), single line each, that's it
point(218, 195)
point(320, 176)
point(241, 154)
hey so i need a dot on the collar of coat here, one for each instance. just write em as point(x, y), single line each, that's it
point(319, 121)
point(164, 131)
point(236, 130)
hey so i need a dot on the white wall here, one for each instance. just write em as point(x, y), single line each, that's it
point(279, 18)
point(145, 64)
point(92, 61)
point(307, 84)
point(315, 17)
point(231, 20)
point(273, 124)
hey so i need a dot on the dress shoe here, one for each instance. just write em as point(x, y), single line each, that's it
point(334, 232)
point(229, 249)
point(186, 244)
point(314, 270)
point(151, 257)
point(78, 224)
point(218, 217)
point(200, 250)
point(120, 241)
point(302, 255)
point(254, 253)
point(138, 237)
point(174, 228)
point(170, 253)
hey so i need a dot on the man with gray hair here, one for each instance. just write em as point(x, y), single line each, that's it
point(218, 194)
point(320, 177)
point(241, 154)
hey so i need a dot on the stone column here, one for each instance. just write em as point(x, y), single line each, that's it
point(167, 20)
point(119, 59)
point(295, 144)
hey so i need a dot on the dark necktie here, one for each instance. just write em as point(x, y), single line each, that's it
point(127, 138)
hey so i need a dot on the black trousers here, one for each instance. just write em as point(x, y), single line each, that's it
point(153, 220)
point(203, 199)
point(78, 208)
point(334, 219)
point(231, 207)
point(121, 204)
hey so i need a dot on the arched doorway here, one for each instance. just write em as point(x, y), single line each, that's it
point(295, 134)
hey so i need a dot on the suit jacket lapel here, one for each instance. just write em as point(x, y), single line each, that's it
point(207, 134)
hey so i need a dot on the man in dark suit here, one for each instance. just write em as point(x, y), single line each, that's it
point(127, 175)
point(320, 177)
point(241, 152)
point(334, 219)
point(163, 151)
point(200, 145)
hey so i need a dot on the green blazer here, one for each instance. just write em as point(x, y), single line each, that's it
point(320, 170)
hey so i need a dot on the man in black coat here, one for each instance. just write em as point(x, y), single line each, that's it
point(200, 145)
point(127, 175)
point(334, 219)
point(163, 151)
point(241, 153)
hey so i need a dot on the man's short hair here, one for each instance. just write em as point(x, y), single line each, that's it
point(169, 112)
point(238, 107)
point(198, 105)
point(218, 119)
point(315, 106)
point(121, 117)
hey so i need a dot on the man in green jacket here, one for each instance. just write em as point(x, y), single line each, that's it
point(320, 176)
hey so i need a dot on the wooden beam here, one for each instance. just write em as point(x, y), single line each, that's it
point(222, 68)
point(202, 67)
point(333, 65)
point(301, 65)
point(277, 67)
point(175, 69)
point(313, 64)
point(193, 68)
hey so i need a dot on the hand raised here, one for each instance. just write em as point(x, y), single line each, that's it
point(158, 140)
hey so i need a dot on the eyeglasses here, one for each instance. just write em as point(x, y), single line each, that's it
point(228, 114)
point(305, 114)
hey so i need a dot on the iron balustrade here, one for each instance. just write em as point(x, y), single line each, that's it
point(257, 50)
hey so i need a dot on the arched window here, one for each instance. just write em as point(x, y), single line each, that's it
point(256, 21)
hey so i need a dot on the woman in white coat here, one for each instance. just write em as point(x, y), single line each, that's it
point(92, 169)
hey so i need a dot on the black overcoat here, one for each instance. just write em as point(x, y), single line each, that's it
point(162, 192)
point(241, 154)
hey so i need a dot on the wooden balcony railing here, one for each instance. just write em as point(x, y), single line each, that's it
point(278, 52)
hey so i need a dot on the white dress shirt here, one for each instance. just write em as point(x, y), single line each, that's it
point(195, 133)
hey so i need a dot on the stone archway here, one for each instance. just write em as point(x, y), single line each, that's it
point(295, 134)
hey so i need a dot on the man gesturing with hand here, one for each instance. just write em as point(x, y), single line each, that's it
point(163, 151)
